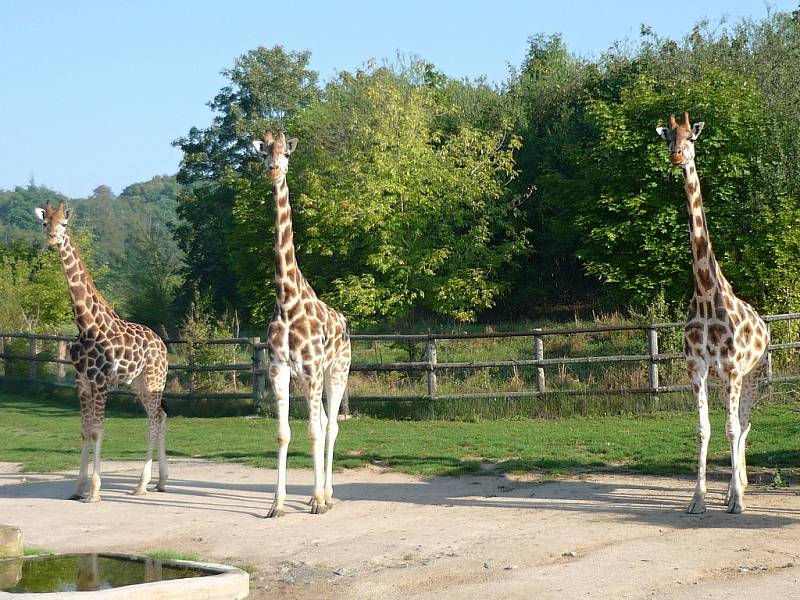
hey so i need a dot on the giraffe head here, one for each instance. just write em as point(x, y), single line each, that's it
point(54, 222)
point(275, 153)
point(680, 138)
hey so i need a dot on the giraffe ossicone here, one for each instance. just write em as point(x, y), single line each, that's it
point(724, 335)
point(307, 341)
point(108, 350)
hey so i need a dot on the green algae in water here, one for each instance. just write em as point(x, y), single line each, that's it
point(86, 572)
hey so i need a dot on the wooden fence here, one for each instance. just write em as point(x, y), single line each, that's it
point(257, 387)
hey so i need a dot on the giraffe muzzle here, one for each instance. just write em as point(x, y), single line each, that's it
point(676, 159)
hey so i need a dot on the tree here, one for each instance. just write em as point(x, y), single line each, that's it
point(393, 216)
point(17, 220)
point(548, 96)
point(633, 213)
point(33, 286)
point(267, 88)
point(152, 281)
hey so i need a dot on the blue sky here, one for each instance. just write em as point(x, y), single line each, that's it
point(93, 92)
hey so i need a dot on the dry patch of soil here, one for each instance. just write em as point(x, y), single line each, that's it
point(396, 536)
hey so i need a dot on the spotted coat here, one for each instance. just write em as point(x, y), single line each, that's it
point(107, 351)
point(724, 336)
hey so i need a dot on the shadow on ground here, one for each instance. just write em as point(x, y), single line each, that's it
point(628, 498)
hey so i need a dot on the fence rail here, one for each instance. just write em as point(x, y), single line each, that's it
point(430, 367)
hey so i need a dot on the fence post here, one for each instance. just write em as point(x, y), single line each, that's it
point(190, 367)
point(62, 355)
point(769, 355)
point(430, 356)
point(539, 370)
point(32, 367)
point(259, 376)
point(7, 368)
point(652, 371)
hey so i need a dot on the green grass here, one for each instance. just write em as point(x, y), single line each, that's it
point(36, 551)
point(44, 436)
point(173, 555)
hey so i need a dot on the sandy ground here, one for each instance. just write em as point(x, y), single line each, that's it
point(397, 536)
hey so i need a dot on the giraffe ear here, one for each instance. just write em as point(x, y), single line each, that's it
point(39, 213)
point(67, 214)
point(696, 129)
point(662, 131)
point(258, 145)
point(291, 144)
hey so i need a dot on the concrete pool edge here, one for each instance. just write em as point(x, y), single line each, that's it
point(224, 582)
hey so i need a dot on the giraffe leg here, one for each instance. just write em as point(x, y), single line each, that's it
point(317, 438)
point(152, 433)
point(279, 376)
point(150, 384)
point(323, 427)
point(698, 373)
point(163, 467)
point(335, 385)
point(85, 397)
point(750, 390)
point(99, 393)
point(732, 390)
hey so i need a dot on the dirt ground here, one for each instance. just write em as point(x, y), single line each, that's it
point(396, 536)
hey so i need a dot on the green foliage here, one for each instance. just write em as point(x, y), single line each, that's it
point(632, 210)
point(33, 286)
point(152, 282)
point(199, 326)
point(267, 87)
point(133, 232)
point(417, 196)
point(393, 214)
point(549, 94)
point(17, 219)
point(126, 239)
point(607, 207)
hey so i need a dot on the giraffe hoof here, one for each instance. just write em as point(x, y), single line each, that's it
point(139, 492)
point(318, 508)
point(735, 507)
point(329, 504)
point(696, 507)
point(274, 513)
point(92, 499)
point(161, 487)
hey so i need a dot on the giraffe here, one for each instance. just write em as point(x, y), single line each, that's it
point(724, 335)
point(306, 339)
point(108, 350)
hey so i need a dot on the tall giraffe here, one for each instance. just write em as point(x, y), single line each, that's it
point(108, 350)
point(306, 339)
point(724, 335)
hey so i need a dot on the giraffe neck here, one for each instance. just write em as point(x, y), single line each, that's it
point(87, 303)
point(707, 276)
point(286, 272)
